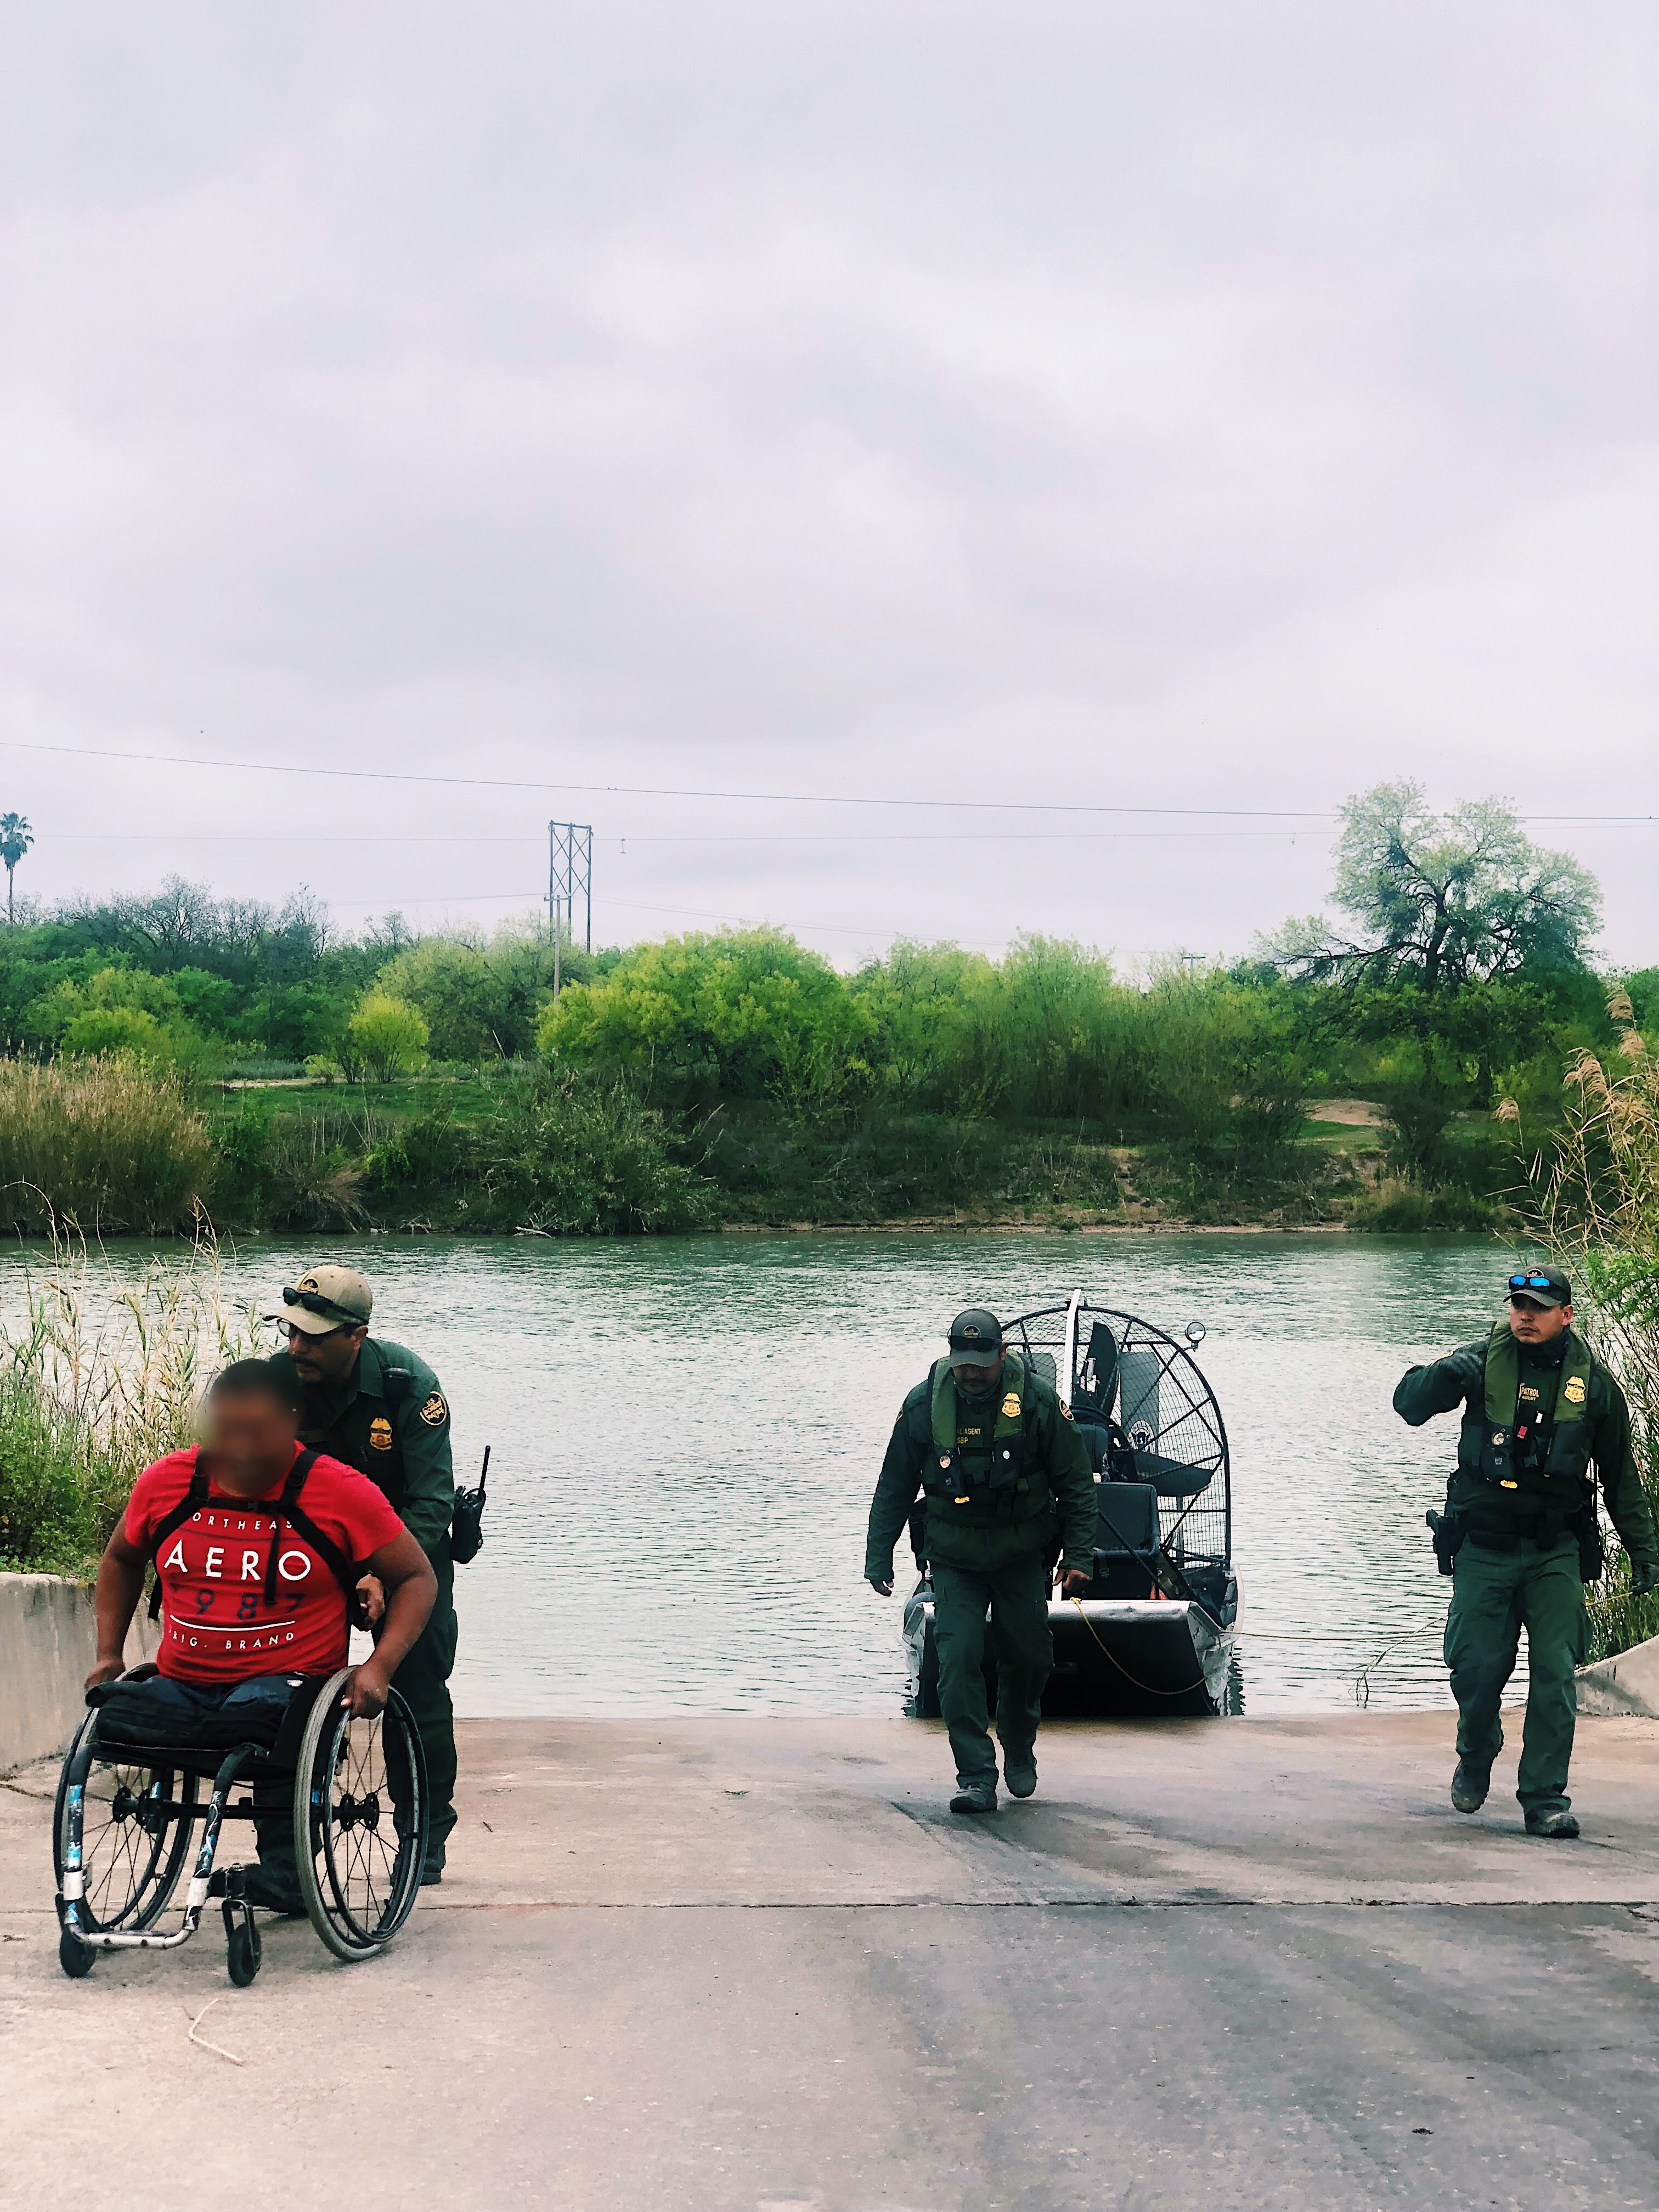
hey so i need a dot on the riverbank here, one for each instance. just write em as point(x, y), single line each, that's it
point(750, 1964)
point(553, 1157)
point(107, 1146)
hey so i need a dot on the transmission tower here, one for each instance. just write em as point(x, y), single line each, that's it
point(569, 874)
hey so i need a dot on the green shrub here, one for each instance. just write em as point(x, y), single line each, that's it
point(426, 1152)
point(95, 1382)
point(387, 1036)
point(742, 1013)
point(1595, 1198)
point(106, 1146)
point(878, 1166)
point(1396, 1206)
point(49, 1517)
point(571, 1157)
point(311, 1175)
point(1421, 1090)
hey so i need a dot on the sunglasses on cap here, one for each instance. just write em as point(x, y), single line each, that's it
point(1532, 1283)
point(324, 1308)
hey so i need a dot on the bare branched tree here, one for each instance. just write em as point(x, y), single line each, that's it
point(1441, 900)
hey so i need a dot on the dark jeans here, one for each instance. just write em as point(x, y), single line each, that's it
point(273, 1800)
point(422, 1681)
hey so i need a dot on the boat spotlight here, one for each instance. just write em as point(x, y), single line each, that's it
point(1195, 1333)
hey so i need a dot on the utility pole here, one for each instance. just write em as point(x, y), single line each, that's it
point(569, 871)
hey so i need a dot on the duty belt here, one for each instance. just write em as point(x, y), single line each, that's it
point(1544, 1527)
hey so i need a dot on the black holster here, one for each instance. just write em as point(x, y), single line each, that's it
point(1592, 1547)
point(1448, 1530)
point(918, 1534)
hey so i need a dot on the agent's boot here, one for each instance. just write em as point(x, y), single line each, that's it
point(1469, 1786)
point(1020, 1774)
point(263, 1886)
point(1558, 1823)
point(977, 1795)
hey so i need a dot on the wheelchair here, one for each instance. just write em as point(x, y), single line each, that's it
point(126, 1812)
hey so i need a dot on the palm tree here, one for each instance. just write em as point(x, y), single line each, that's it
point(15, 839)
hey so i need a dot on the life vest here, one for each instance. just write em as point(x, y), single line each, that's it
point(1548, 1466)
point(996, 1468)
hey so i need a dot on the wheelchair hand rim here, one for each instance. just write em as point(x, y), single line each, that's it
point(153, 1868)
point(333, 1859)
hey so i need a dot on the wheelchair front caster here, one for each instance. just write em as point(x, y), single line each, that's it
point(243, 1948)
point(73, 1956)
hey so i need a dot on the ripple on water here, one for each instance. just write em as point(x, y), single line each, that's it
point(686, 1432)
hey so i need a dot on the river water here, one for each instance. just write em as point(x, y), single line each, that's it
point(686, 1432)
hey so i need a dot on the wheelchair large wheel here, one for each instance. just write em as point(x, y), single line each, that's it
point(135, 1826)
point(360, 1822)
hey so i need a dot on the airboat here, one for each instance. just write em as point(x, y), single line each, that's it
point(1154, 1633)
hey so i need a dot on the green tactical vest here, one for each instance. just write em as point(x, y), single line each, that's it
point(991, 1477)
point(1487, 1445)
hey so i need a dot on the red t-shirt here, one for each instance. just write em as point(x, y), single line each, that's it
point(215, 1625)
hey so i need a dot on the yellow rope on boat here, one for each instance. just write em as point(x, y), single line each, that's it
point(1145, 1687)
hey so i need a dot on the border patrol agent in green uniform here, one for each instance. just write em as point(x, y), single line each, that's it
point(1520, 1533)
point(380, 1408)
point(1005, 1476)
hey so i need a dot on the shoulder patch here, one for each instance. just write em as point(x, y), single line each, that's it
point(435, 1412)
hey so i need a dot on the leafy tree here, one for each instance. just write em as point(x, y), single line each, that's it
point(458, 993)
point(389, 1036)
point(482, 1001)
point(735, 1014)
point(118, 1010)
point(113, 1029)
point(1442, 900)
point(920, 1002)
point(15, 838)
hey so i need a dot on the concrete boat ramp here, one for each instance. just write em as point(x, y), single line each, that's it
point(713, 1963)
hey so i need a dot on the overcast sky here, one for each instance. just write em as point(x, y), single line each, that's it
point(1227, 406)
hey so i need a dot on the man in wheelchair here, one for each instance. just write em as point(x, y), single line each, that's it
point(264, 1555)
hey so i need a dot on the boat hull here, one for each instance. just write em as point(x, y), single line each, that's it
point(1113, 1656)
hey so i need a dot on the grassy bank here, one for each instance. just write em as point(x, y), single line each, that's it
point(109, 1145)
point(564, 1153)
point(92, 1391)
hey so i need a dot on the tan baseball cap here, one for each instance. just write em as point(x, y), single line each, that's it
point(324, 1300)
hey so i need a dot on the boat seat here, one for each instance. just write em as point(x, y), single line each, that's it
point(1098, 1439)
point(1128, 1518)
point(1173, 1478)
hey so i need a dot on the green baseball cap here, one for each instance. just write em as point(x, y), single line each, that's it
point(976, 1338)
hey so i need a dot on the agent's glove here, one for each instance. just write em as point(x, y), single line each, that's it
point(1644, 1577)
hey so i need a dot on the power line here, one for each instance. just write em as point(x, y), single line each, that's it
point(660, 791)
point(633, 906)
point(654, 837)
point(773, 798)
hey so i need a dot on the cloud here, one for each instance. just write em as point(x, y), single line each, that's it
point(1158, 406)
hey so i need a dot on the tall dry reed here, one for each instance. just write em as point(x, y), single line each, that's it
point(1596, 1201)
point(97, 1378)
point(107, 1147)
